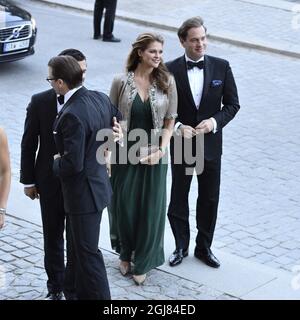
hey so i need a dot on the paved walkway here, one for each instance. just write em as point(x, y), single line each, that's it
point(262, 24)
point(266, 228)
point(22, 275)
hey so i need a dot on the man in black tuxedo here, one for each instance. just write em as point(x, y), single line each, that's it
point(85, 182)
point(110, 7)
point(207, 101)
point(40, 182)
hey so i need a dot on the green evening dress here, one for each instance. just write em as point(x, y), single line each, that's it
point(138, 208)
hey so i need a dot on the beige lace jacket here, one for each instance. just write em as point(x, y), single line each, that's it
point(163, 106)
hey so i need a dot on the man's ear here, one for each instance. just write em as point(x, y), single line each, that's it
point(60, 82)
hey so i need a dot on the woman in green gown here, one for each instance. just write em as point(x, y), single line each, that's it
point(147, 98)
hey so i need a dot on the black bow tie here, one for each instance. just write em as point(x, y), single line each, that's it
point(61, 99)
point(190, 64)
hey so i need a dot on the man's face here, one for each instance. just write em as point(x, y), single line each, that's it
point(53, 82)
point(83, 67)
point(195, 43)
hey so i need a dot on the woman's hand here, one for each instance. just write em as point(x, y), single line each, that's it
point(152, 159)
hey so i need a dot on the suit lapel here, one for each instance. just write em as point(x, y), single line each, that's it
point(184, 80)
point(208, 71)
point(77, 94)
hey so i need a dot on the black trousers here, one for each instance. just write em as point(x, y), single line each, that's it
point(110, 12)
point(53, 219)
point(207, 204)
point(70, 279)
point(90, 273)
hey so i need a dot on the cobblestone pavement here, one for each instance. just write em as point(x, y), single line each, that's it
point(246, 21)
point(22, 275)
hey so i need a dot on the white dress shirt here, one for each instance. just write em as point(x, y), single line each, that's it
point(196, 81)
point(68, 95)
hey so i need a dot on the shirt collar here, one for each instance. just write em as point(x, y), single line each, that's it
point(69, 94)
point(189, 59)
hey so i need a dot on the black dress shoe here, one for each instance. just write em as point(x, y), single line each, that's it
point(96, 36)
point(177, 257)
point(111, 39)
point(208, 258)
point(55, 296)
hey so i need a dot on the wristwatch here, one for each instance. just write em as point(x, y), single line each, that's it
point(2, 211)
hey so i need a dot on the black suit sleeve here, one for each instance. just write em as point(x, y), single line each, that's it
point(29, 144)
point(73, 139)
point(114, 111)
point(230, 100)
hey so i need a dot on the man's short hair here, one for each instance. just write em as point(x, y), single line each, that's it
point(76, 54)
point(195, 22)
point(67, 69)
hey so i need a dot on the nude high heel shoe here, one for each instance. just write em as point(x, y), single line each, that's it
point(139, 279)
point(124, 267)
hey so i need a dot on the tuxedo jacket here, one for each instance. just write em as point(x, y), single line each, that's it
point(219, 99)
point(85, 183)
point(37, 146)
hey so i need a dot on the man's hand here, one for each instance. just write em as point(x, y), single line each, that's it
point(205, 126)
point(31, 192)
point(187, 131)
point(117, 130)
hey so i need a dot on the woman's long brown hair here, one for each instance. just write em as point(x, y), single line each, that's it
point(160, 74)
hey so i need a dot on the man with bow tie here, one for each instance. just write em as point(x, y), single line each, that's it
point(207, 101)
point(85, 183)
point(37, 150)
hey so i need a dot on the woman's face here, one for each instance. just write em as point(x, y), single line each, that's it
point(151, 57)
